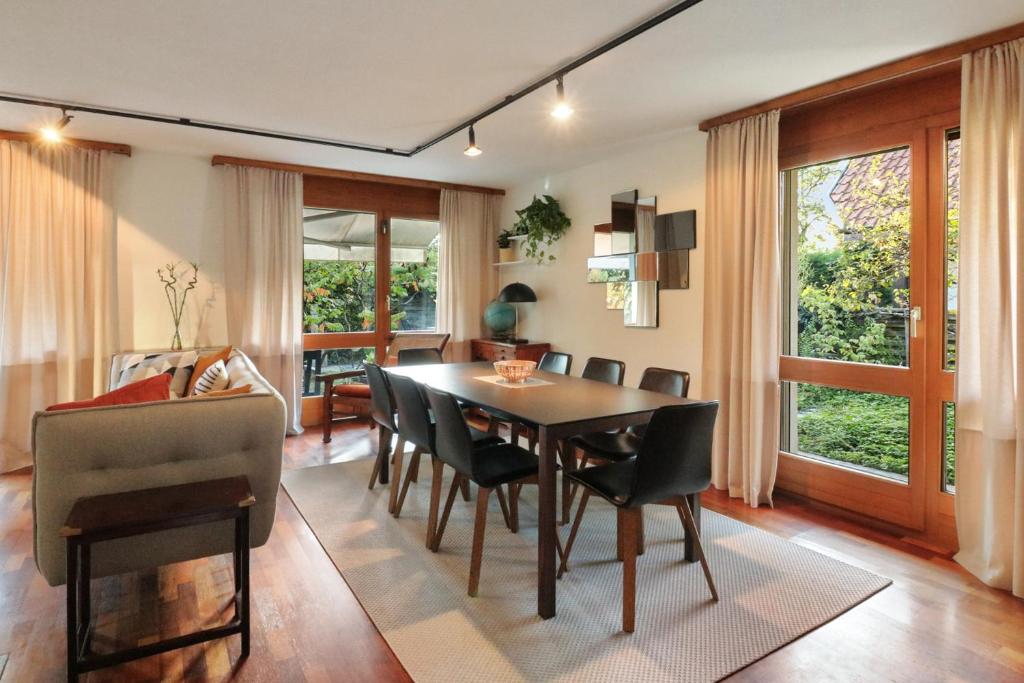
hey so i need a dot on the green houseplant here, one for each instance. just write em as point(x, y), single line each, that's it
point(506, 252)
point(544, 223)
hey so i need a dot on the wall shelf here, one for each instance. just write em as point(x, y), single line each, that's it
point(510, 263)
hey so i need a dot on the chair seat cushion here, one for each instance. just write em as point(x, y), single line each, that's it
point(352, 390)
point(613, 481)
point(502, 463)
point(609, 446)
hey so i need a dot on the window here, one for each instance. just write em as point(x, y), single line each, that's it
point(339, 270)
point(849, 257)
point(413, 295)
point(952, 241)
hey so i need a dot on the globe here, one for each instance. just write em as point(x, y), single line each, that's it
point(500, 317)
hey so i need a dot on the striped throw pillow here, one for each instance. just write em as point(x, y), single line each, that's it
point(214, 378)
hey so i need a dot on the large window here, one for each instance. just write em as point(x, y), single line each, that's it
point(413, 295)
point(339, 285)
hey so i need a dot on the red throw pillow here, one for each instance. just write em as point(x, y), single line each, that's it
point(151, 389)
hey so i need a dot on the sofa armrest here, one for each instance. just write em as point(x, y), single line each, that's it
point(93, 451)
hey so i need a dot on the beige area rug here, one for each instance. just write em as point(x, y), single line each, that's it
point(772, 591)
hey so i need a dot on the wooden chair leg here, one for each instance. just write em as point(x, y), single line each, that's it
point(564, 566)
point(383, 446)
point(464, 487)
point(567, 455)
point(504, 506)
point(436, 542)
point(396, 474)
point(691, 528)
point(479, 527)
point(640, 531)
point(582, 464)
point(414, 464)
point(513, 506)
point(532, 440)
point(627, 522)
point(514, 429)
point(693, 501)
point(435, 499)
point(327, 415)
point(415, 471)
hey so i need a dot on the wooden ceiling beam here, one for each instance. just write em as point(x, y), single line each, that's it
point(900, 67)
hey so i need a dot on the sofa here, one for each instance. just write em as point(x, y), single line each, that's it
point(93, 451)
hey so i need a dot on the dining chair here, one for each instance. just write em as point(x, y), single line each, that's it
point(419, 357)
point(489, 467)
point(416, 427)
point(382, 412)
point(555, 361)
point(672, 464)
point(604, 370)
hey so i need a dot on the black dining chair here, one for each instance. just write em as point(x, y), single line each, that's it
point(419, 356)
point(382, 411)
point(416, 426)
point(672, 465)
point(555, 361)
point(604, 370)
point(489, 468)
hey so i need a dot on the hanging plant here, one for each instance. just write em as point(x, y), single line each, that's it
point(544, 223)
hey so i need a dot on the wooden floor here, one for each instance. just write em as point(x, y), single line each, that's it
point(936, 623)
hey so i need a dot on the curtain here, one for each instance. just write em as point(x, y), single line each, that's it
point(263, 275)
point(741, 304)
point(990, 329)
point(57, 283)
point(466, 281)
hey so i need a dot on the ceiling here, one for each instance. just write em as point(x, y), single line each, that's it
point(394, 72)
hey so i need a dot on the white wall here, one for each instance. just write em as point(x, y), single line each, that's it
point(169, 209)
point(571, 314)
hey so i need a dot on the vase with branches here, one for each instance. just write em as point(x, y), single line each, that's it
point(178, 282)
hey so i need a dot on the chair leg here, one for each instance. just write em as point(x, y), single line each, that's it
point(582, 465)
point(640, 532)
point(492, 425)
point(564, 566)
point(567, 455)
point(436, 542)
point(514, 429)
point(479, 527)
point(504, 506)
point(691, 528)
point(327, 416)
point(414, 465)
point(383, 445)
point(435, 499)
point(532, 440)
point(627, 522)
point(396, 474)
point(464, 486)
point(513, 506)
point(415, 470)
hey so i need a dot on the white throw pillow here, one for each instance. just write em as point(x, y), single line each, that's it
point(215, 378)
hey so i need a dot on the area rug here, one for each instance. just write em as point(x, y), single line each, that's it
point(772, 591)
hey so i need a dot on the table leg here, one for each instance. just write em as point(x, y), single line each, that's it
point(242, 542)
point(546, 483)
point(84, 601)
point(689, 549)
point(72, 608)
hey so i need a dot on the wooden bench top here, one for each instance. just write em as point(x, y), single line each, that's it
point(145, 510)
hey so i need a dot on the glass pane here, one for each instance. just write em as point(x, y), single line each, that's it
point(339, 261)
point(949, 447)
point(862, 431)
point(413, 295)
point(317, 362)
point(952, 241)
point(848, 231)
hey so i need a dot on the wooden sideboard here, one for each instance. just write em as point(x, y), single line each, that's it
point(488, 349)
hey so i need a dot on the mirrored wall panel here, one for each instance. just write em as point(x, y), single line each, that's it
point(674, 269)
point(676, 231)
point(615, 295)
point(641, 305)
point(621, 268)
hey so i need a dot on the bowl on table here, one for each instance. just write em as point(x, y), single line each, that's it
point(515, 371)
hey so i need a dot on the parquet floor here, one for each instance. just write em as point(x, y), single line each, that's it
point(936, 623)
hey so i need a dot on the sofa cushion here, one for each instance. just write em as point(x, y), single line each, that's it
point(214, 378)
point(204, 362)
point(178, 364)
point(234, 391)
point(144, 391)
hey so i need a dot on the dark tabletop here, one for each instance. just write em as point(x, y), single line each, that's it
point(566, 400)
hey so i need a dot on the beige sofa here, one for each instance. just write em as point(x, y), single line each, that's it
point(92, 451)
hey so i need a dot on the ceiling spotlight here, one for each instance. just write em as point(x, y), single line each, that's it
point(562, 109)
point(472, 150)
point(53, 133)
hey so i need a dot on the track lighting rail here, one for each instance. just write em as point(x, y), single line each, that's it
point(553, 76)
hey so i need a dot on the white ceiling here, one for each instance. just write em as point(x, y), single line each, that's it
point(399, 72)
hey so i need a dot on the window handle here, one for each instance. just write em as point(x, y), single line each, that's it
point(915, 318)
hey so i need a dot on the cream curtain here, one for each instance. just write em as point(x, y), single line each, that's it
point(741, 304)
point(57, 283)
point(263, 275)
point(466, 281)
point(990, 329)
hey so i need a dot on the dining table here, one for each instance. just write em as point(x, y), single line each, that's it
point(558, 407)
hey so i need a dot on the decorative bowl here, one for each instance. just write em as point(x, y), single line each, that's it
point(515, 371)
